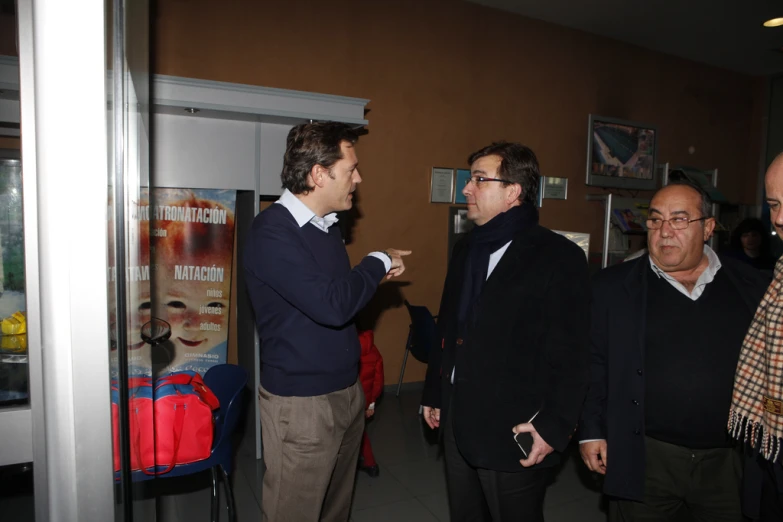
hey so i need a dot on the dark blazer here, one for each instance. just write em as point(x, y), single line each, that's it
point(526, 351)
point(617, 333)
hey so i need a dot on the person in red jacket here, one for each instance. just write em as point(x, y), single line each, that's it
point(371, 375)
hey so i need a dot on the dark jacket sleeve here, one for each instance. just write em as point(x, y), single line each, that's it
point(751, 282)
point(432, 381)
point(566, 316)
point(281, 260)
point(593, 420)
point(431, 396)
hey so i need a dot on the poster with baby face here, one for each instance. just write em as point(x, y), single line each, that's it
point(191, 253)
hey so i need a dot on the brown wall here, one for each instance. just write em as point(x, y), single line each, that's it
point(446, 77)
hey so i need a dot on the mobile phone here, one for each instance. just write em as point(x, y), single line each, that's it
point(525, 442)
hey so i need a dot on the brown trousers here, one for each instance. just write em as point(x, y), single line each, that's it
point(311, 449)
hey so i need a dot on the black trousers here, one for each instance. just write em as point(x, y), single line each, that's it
point(771, 492)
point(483, 495)
point(685, 484)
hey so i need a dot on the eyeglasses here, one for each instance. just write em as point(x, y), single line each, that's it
point(677, 223)
point(478, 180)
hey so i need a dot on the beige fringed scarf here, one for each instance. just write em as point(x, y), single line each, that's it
point(756, 414)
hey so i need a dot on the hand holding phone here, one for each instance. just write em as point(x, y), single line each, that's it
point(525, 442)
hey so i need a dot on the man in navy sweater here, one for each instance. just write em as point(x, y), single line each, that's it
point(305, 296)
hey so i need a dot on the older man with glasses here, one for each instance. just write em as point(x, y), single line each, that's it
point(666, 332)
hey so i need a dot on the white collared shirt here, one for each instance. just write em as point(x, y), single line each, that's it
point(303, 215)
point(494, 258)
point(705, 278)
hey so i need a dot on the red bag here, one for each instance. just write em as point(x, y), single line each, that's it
point(183, 424)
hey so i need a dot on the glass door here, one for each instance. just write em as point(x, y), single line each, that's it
point(69, 218)
point(129, 244)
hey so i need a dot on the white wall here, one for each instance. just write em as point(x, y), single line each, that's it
point(210, 153)
point(197, 152)
point(271, 150)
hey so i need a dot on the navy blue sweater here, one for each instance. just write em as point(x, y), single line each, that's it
point(305, 296)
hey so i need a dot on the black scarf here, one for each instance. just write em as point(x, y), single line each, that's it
point(482, 242)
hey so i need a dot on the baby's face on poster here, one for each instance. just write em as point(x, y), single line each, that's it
point(138, 313)
point(197, 312)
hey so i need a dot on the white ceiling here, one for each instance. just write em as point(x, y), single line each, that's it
point(724, 33)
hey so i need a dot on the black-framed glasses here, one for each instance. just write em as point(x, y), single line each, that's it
point(478, 180)
point(677, 223)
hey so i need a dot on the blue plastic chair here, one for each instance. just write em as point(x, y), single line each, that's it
point(422, 336)
point(227, 382)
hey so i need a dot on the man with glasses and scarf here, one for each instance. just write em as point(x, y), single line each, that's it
point(666, 332)
point(514, 350)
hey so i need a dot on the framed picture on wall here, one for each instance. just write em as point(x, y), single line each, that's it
point(621, 154)
point(442, 185)
point(554, 188)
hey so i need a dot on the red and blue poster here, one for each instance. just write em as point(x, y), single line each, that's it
point(192, 248)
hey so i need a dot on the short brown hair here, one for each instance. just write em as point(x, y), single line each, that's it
point(311, 144)
point(518, 164)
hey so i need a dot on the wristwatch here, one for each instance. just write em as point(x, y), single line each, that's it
point(387, 255)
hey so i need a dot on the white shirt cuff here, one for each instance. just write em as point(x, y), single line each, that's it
point(589, 440)
point(371, 406)
point(383, 257)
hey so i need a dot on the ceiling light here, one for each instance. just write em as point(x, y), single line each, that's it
point(773, 22)
point(192, 110)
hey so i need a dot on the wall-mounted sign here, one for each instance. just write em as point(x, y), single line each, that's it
point(554, 188)
point(442, 185)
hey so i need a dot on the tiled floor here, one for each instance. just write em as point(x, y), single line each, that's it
point(412, 485)
point(410, 488)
